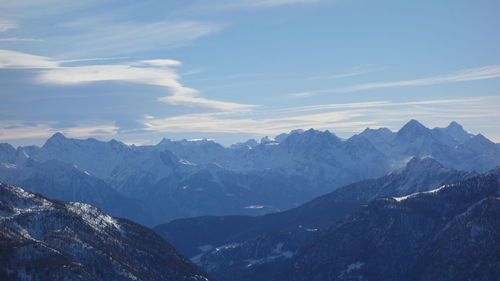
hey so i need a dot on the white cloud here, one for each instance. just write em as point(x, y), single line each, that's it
point(164, 77)
point(13, 59)
point(472, 74)
point(161, 62)
point(150, 72)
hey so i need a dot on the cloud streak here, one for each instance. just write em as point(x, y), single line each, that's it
point(125, 38)
point(12, 130)
point(7, 25)
point(348, 117)
point(471, 74)
point(149, 72)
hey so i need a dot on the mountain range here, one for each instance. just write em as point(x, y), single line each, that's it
point(416, 204)
point(247, 247)
point(178, 179)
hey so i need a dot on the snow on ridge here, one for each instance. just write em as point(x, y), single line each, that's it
point(186, 162)
point(9, 165)
point(355, 266)
point(92, 216)
point(399, 199)
point(254, 207)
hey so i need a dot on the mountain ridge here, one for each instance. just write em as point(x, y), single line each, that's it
point(45, 239)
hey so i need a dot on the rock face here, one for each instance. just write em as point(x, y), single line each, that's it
point(245, 179)
point(450, 233)
point(255, 248)
point(42, 239)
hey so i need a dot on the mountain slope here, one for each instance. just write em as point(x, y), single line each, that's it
point(450, 233)
point(42, 239)
point(418, 175)
point(63, 181)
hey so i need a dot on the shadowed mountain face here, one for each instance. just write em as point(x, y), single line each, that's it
point(63, 181)
point(450, 233)
point(255, 248)
point(179, 179)
point(42, 239)
point(418, 175)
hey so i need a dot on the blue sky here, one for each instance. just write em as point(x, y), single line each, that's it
point(139, 71)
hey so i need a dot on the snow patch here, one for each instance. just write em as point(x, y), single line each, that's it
point(93, 217)
point(417, 193)
point(254, 207)
point(354, 266)
point(9, 165)
point(186, 162)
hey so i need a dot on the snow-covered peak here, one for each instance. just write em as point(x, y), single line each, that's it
point(249, 144)
point(266, 140)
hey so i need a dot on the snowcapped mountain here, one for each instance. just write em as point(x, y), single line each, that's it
point(43, 239)
point(64, 181)
point(450, 233)
point(244, 248)
point(188, 178)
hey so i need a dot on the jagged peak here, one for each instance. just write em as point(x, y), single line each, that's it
point(58, 135)
point(381, 130)
point(413, 127)
point(428, 161)
point(164, 141)
point(56, 139)
point(455, 125)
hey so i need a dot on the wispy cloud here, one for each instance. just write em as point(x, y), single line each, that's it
point(375, 104)
point(264, 126)
point(471, 74)
point(13, 59)
point(12, 130)
point(337, 76)
point(7, 25)
point(148, 72)
point(221, 6)
point(123, 38)
point(271, 3)
point(17, 39)
point(356, 71)
point(347, 117)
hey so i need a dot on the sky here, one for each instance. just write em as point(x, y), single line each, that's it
point(140, 71)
